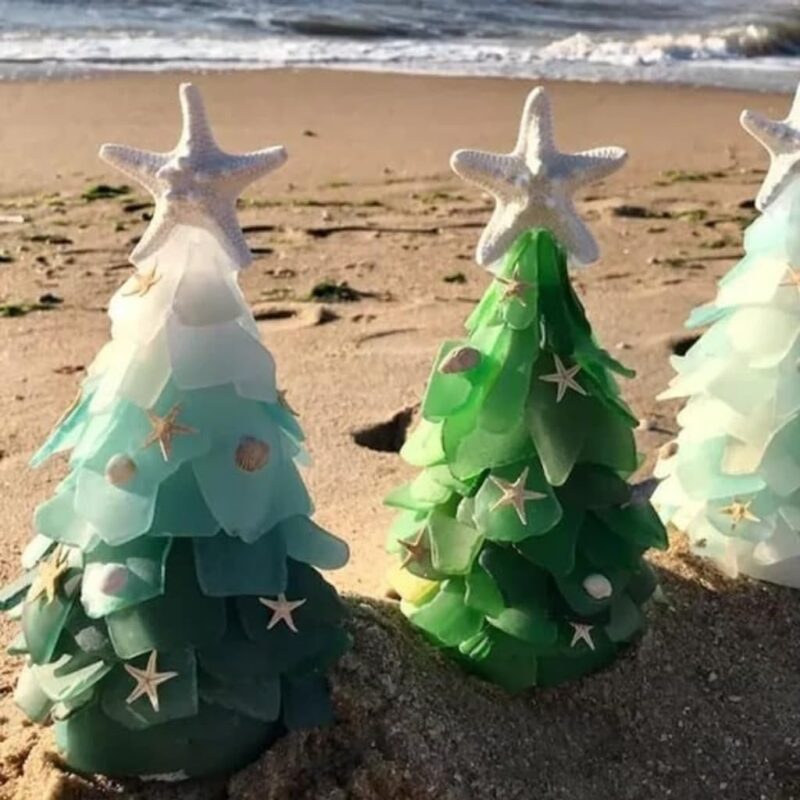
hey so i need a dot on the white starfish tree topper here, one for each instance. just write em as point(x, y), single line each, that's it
point(781, 139)
point(196, 183)
point(533, 185)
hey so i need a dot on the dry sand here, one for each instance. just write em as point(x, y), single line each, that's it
point(707, 705)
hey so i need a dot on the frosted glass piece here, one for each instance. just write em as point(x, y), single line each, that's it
point(757, 284)
point(307, 542)
point(741, 458)
point(763, 334)
point(57, 519)
point(695, 382)
point(117, 514)
point(743, 390)
point(699, 471)
point(117, 577)
point(215, 355)
point(206, 291)
point(147, 374)
point(783, 544)
point(35, 551)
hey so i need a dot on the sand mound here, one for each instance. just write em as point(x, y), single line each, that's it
point(707, 705)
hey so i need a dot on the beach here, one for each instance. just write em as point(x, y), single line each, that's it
point(363, 265)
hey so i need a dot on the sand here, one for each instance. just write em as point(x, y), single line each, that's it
point(707, 705)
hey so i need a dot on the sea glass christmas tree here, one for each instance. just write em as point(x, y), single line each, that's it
point(520, 541)
point(173, 621)
point(731, 479)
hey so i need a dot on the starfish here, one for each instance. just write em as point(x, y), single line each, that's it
point(534, 183)
point(515, 494)
point(781, 139)
point(416, 549)
point(147, 681)
point(282, 610)
point(49, 575)
point(196, 183)
point(739, 512)
point(514, 287)
point(582, 633)
point(144, 281)
point(564, 378)
point(164, 429)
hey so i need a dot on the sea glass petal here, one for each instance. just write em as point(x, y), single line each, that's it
point(117, 515)
point(70, 675)
point(307, 542)
point(180, 509)
point(445, 616)
point(227, 566)
point(183, 617)
point(260, 699)
point(424, 447)
point(117, 577)
point(453, 546)
point(306, 702)
point(447, 392)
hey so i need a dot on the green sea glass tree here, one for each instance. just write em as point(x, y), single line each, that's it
point(173, 620)
point(520, 541)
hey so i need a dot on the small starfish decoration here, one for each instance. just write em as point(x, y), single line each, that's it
point(582, 633)
point(781, 139)
point(515, 494)
point(147, 681)
point(282, 610)
point(564, 378)
point(165, 429)
point(416, 549)
point(534, 183)
point(739, 512)
point(49, 576)
point(514, 288)
point(194, 184)
point(144, 282)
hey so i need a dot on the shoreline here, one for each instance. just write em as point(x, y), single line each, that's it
point(72, 71)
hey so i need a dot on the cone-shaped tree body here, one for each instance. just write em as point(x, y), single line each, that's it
point(173, 619)
point(732, 477)
point(521, 543)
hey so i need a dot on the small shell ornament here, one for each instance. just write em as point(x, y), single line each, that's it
point(462, 359)
point(598, 586)
point(120, 469)
point(252, 454)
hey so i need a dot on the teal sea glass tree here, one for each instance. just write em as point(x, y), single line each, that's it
point(173, 619)
point(731, 479)
point(520, 542)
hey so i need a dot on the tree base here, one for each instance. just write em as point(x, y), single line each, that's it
point(214, 742)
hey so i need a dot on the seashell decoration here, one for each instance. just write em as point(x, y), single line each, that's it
point(114, 579)
point(120, 469)
point(462, 359)
point(251, 454)
point(598, 586)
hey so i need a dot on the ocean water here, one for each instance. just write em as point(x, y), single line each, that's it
point(737, 43)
